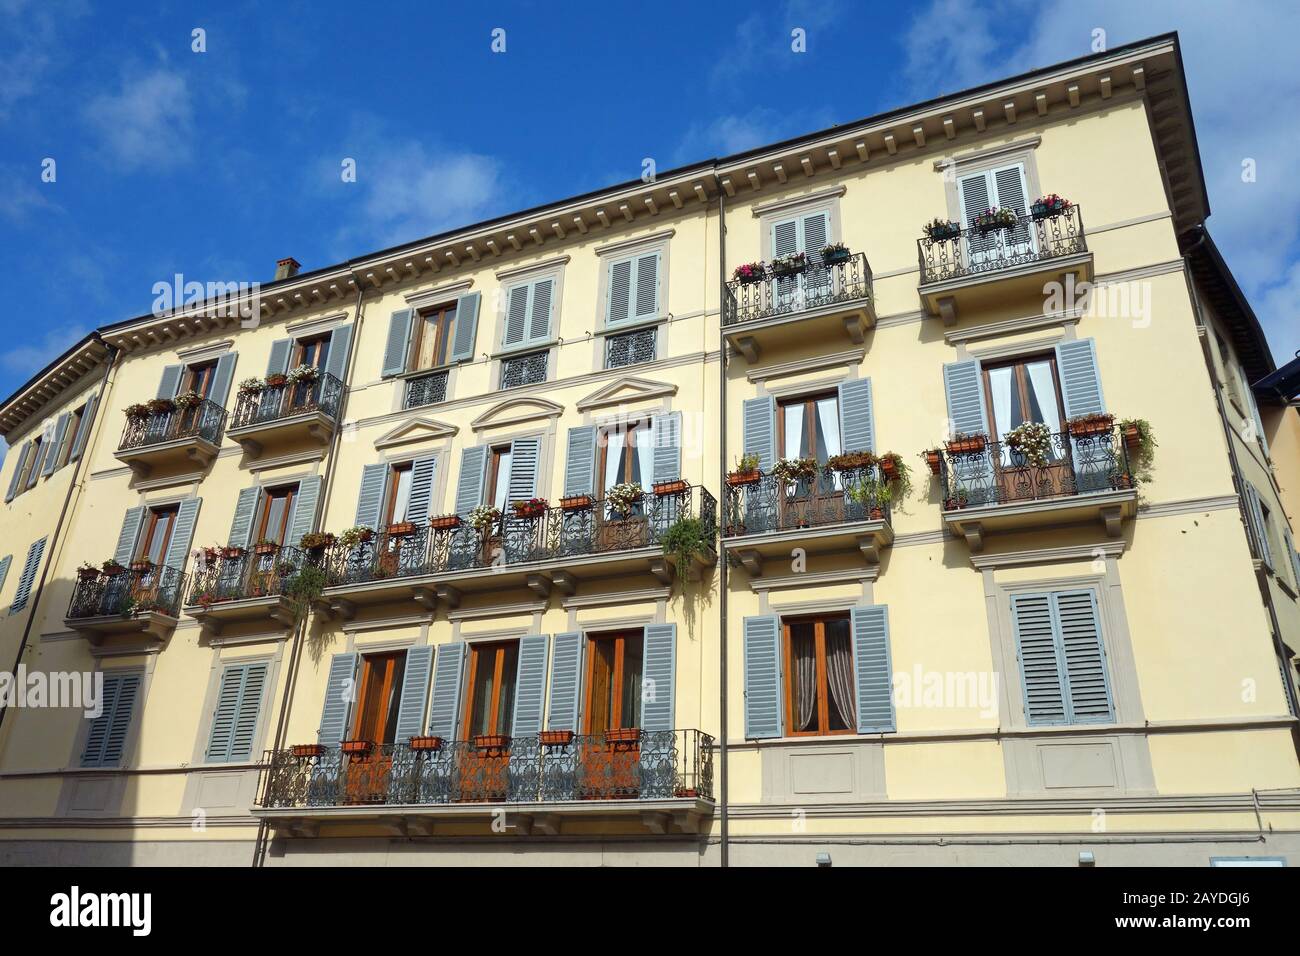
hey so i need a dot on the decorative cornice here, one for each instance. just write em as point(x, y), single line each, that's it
point(624, 390)
point(418, 429)
point(1078, 552)
point(516, 410)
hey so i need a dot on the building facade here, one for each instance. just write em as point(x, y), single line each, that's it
point(736, 516)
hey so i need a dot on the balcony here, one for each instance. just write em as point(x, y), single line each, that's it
point(771, 311)
point(838, 511)
point(244, 585)
point(989, 486)
point(287, 415)
point(143, 600)
point(662, 780)
point(969, 269)
point(553, 547)
point(171, 437)
point(427, 389)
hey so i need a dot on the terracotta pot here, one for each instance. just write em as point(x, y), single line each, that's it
point(555, 738)
point(141, 567)
point(670, 487)
point(687, 792)
point(575, 502)
point(401, 529)
point(88, 574)
point(261, 549)
point(232, 554)
point(1089, 429)
point(491, 741)
point(932, 461)
point(530, 511)
point(357, 746)
point(962, 446)
point(954, 504)
point(743, 478)
point(889, 468)
point(626, 735)
point(1132, 437)
point(424, 744)
point(445, 522)
point(877, 514)
point(366, 535)
point(114, 570)
point(307, 750)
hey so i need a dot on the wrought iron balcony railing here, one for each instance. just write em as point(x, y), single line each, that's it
point(241, 573)
point(772, 504)
point(981, 472)
point(820, 285)
point(127, 592)
point(970, 252)
point(539, 768)
point(277, 402)
point(426, 389)
point(572, 530)
point(206, 420)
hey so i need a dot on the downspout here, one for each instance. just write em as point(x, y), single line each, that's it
point(300, 633)
point(724, 819)
point(113, 355)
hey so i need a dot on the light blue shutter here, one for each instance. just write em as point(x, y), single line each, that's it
point(448, 673)
point(250, 705)
point(1076, 362)
point(667, 441)
point(975, 196)
point(539, 312)
point(762, 637)
point(336, 363)
point(340, 692)
point(580, 463)
point(466, 333)
point(422, 472)
point(645, 296)
point(241, 527)
point(857, 417)
point(130, 533)
point(83, 428)
point(1258, 526)
point(659, 677)
point(415, 693)
point(182, 534)
point(785, 240)
point(56, 446)
point(1041, 667)
point(222, 376)
point(1010, 182)
point(170, 381)
point(106, 739)
point(42, 450)
point(965, 392)
point(871, 669)
point(4, 569)
point(18, 472)
point(234, 722)
point(278, 363)
point(395, 346)
point(469, 487)
point(1079, 631)
point(566, 682)
point(30, 567)
point(530, 685)
point(619, 306)
point(92, 753)
point(370, 499)
point(524, 455)
point(303, 518)
point(1290, 548)
point(758, 421)
point(516, 329)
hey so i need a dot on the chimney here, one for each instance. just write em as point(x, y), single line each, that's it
point(287, 268)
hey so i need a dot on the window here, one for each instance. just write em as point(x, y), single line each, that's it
point(69, 438)
point(498, 477)
point(234, 720)
point(528, 312)
point(1062, 658)
point(32, 466)
point(520, 370)
point(106, 738)
point(633, 289)
point(613, 681)
point(1230, 380)
point(277, 508)
point(819, 675)
point(492, 672)
point(378, 695)
point(399, 493)
point(314, 351)
point(1002, 188)
point(198, 378)
point(158, 527)
point(630, 348)
point(431, 337)
point(809, 427)
point(626, 454)
point(427, 389)
point(1023, 390)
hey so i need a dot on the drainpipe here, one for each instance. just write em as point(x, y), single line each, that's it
point(724, 821)
point(55, 542)
point(300, 633)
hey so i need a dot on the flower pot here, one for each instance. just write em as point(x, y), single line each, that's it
point(355, 747)
point(530, 511)
point(307, 750)
point(877, 513)
point(141, 567)
point(944, 234)
point(491, 741)
point(670, 487)
point(625, 735)
point(575, 502)
point(1132, 437)
point(966, 446)
point(889, 469)
point(114, 570)
point(401, 529)
point(743, 478)
point(751, 278)
point(1091, 428)
point(686, 792)
point(1042, 210)
point(425, 743)
point(836, 257)
point(789, 272)
point(1122, 482)
point(555, 738)
point(954, 504)
point(276, 381)
point(932, 461)
point(232, 554)
point(445, 522)
point(87, 574)
point(265, 549)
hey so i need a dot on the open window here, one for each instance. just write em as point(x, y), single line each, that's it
point(818, 653)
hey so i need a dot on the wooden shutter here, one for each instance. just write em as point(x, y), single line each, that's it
point(566, 682)
point(398, 341)
point(278, 362)
point(234, 721)
point(857, 418)
point(4, 569)
point(303, 518)
point(659, 677)
point(1041, 667)
point(448, 673)
point(56, 445)
point(469, 486)
point(530, 685)
point(1080, 382)
point(871, 669)
point(340, 692)
point(580, 463)
point(129, 535)
point(619, 308)
point(83, 428)
point(370, 499)
point(222, 376)
point(415, 693)
point(524, 455)
point(30, 567)
point(516, 330)
point(336, 363)
point(241, 526)
point(422, 474)
point(667, 441)
point(964, 388)
point(178, 550)
point(1258, 526)
point(466, 332)
point(1079, 632)
point(170, 382)
point(758, 421)
point(18, 472)
point(762, 639)
point(106, 739)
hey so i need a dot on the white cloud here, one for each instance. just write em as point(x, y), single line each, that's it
point(30, 46)
point(148, 122)
point(732, 133)
point(25, 359)
point(22, 193)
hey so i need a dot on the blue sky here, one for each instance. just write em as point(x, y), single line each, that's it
point(216, 164)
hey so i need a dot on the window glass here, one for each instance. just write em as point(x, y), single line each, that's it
point(820, 685)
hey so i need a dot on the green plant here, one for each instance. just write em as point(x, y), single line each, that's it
point(1142, 458)
point(355, 535)
point(1033, 440)
point(623, 496)
point(795, 469)
point(304, 587)
point(484, 517)
point(747, 463)
point(315, 539)
point(846, 461)
point(251, 386)
point(899, 485)
point(686, 538)
point(871, 493)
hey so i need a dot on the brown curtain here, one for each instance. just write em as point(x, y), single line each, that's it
point(839, 675)
point(804, 651)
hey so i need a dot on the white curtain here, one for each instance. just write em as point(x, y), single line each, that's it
point(828, 416)
point(793, 431)
point(839, 674)
point(403, 496)
point(644, 437)
point(1040, 380)
point(503, 482)
point(614, 452)
point(1000, 382)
